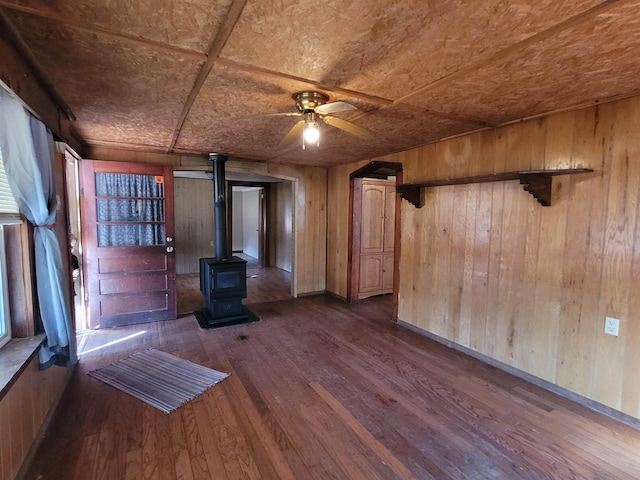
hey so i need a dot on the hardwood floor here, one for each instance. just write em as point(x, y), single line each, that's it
point(264, 284)
point(320, 389)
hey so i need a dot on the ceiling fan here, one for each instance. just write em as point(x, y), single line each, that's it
point(313, 106)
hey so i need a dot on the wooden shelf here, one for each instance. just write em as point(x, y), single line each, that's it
point(536, 182)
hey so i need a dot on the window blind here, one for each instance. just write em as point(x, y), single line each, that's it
point(9, 211)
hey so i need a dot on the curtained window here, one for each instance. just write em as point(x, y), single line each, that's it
point(27, 150)
point(9, 215)
point(5, 324)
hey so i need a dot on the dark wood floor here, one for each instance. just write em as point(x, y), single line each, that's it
point(264, 284)
point(320, 389)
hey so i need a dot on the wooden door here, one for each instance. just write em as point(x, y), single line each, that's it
point(377, 233)
point(373, 211)
point(129, 258)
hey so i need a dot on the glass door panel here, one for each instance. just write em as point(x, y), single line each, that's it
point(129, 209)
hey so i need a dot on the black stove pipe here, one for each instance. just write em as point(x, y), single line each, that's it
point(219, 205)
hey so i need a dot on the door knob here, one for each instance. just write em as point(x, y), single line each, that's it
point(169, 249)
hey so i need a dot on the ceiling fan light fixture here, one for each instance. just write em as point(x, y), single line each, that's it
point(313, 107)
point(311, 134)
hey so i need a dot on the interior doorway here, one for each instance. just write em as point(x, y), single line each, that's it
point(374, 247)
point(248, 212)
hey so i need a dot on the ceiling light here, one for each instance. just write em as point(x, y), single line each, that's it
point(311, 133)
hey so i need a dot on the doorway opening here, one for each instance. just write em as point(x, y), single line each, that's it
point(72, 186)
point(269, 271)
point(374, 247)
point(248, 217)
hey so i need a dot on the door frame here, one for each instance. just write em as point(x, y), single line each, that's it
point(263, 214)
point(376, 170)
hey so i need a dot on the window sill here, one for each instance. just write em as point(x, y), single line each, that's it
point(14, 357)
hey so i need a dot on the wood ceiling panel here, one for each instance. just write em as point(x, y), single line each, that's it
point(228, 115)
point(137, 74)
point(395, 130)
point(190, 25)
point(118, 93)
point(593, 61)
point(385, 48)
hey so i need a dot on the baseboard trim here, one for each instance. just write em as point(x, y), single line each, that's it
point(311, 294)
point(552, 387)
point(335, 295)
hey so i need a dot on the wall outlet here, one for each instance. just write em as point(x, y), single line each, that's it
point(611, 325)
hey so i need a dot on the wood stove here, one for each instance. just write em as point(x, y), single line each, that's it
point(223, 278)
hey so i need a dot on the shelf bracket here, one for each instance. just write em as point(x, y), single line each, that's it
point(537, 182)
point(414, 195)
point(539, 186)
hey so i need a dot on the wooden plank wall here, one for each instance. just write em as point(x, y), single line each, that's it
point(310, 220)
point(194, 235)
point(193, 223)
point(338, 227)
point(281, 225)
point(487, 267)
point(23, 410)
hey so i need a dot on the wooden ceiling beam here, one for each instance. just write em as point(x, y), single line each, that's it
point(218, 44)
point(516, 47)
point(121, 36)
point(285, 76)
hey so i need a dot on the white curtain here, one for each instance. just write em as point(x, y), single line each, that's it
point(27, 148)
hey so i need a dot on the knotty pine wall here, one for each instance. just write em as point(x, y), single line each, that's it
point(487, 267)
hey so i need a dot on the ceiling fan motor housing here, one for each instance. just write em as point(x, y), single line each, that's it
point(309, 101)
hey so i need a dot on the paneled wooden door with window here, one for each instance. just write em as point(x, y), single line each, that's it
point(128, 236)
point(377, 237)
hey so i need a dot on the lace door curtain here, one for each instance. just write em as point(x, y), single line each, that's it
point(134, 207)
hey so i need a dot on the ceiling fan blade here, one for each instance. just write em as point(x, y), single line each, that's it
point(294, 134)
point(283, 114)
point(348, 127)
point(334, 107)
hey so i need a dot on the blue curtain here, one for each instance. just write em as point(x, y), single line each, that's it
point(27, 148)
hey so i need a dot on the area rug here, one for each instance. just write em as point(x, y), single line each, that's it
point(158, 378)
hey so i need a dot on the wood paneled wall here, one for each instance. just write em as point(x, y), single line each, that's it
point(194, 234)
point(487, 267)
point(281, 225)
point(193, 204)
point(310, 220)
point(23, 410)
point(338, 227)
